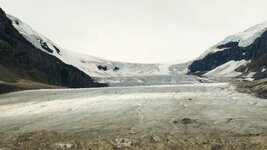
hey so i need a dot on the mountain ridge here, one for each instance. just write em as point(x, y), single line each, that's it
point(23, 61)
point(240, 55)
point(91, 65)
point(245, 52)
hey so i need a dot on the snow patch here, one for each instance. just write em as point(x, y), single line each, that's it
point(251, 74)
point(227, 69)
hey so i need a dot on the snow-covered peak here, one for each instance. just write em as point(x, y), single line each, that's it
point(248, 36)
point(91, 65)
point(244, 38)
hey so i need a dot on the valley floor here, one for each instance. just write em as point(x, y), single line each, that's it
point(186, 116)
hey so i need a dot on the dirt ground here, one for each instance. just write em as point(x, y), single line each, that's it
point(45, 140)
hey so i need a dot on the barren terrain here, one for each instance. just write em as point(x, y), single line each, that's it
point(186, 116)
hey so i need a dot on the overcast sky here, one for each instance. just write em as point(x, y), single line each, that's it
point(138, 30)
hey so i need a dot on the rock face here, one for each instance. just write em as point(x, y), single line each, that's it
point(105, 68)
point(257, 87)
point(255, 54)
point(19, 59)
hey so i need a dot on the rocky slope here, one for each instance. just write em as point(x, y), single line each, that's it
point(242, 54)
point(20, 59)
point(257, 87)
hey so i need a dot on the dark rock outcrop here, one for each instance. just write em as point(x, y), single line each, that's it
point(116, 68)
point(24, 61)
point(104, 68)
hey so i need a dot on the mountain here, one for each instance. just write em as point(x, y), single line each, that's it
point(102, 70)
point(21, 60)
point(240, 55)
point(91, 65)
